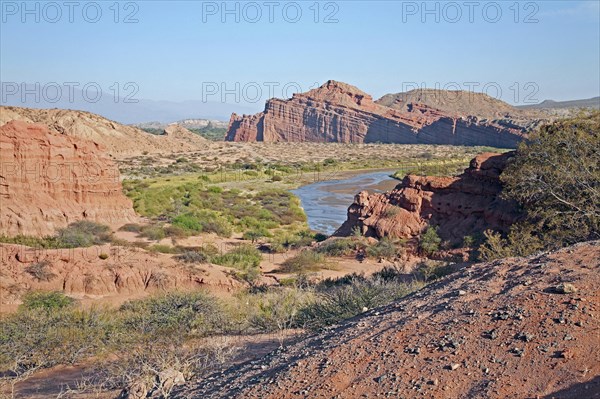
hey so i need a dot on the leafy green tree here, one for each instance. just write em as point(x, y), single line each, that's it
point(555, 177)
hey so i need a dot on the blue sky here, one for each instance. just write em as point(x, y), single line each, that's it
point(177, 49)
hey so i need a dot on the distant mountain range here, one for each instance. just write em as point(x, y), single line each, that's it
point(593, 103)
point(119, 110)
point(186, 123)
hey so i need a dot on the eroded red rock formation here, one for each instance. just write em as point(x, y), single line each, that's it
point(338, 112)
point(48, 180)
point(459, 206)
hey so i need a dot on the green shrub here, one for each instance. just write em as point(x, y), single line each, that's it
point(286, 241)
point(343, 302)
point(468, 241)
point(432, 270)
point(193, 257)
point(429, 242)
point(131, 227)
point(103, 256)
point(305, 260)
point(278, 310)
point(383, 249)
point(245, 259)
point(219, 226)
point(46, 300)
point(203, 221)
point(83, 234)
point(47, 242)
point(175, 232)
point(389, 273)
point(337, 247)
point(152, 232)
point(241, 257)
point(255, 234)
point(46, 332)
point(183, 312)
point(520, 241)
point(188, 221)
point(163, 249)
point(391, 212)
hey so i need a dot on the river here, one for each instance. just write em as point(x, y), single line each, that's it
point(326, 202)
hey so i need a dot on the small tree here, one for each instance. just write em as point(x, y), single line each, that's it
point(555, 176)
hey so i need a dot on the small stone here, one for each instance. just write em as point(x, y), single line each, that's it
point(565, 288)
point(518, 351)
point(454, 366)
point(461, 293)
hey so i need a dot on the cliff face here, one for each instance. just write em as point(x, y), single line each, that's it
point(459, 206)
point(337, 112)
point(48, 180)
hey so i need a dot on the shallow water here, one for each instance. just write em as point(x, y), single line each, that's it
point(326, 202)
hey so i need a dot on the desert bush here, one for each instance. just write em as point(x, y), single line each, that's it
point(103, 256)
point(48, 242)
point(305, 260)
point(337, 247)
point(384, 248)
point(429, 242)
point(520, 241)
point(391, 211)
point(255, 234)
point(193, 257)
point(84, 234)
point(389, 273)
point(245, 259)
point(555, 177)
point(153, 232)
point(278, 310)
point(163, 249)
point(37, 337)
point(175, 232)
point(46, 300)
point(151, 368)
point(78, 234)
point(239, 257)
point(345, 301)
point(40, 270)
point(188, 222)
point(203, 221)
point(131, 227)
point(195, 313)
point(283, 242)
point(431, 270)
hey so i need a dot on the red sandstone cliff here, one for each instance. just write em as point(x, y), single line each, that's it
point(459, 206)
point(338, 112)
point(48, 180)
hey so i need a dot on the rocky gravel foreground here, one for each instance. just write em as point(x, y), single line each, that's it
point(512, 328)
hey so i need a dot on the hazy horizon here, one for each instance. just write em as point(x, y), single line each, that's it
point(242, 53)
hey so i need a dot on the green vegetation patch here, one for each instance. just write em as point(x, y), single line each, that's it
point(195, 207)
